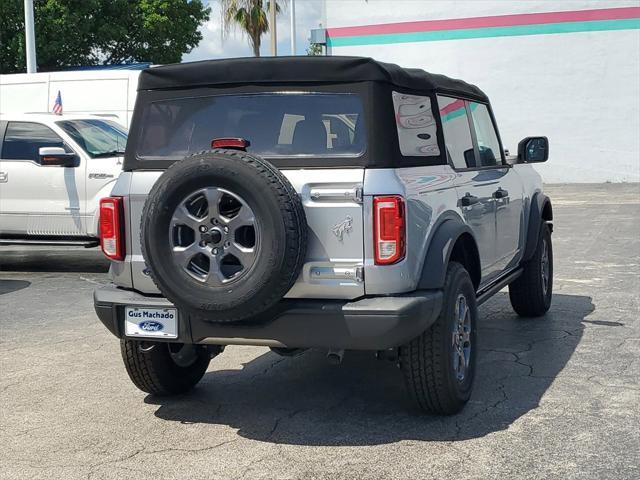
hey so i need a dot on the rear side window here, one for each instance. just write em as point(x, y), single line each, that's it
point(22, 141)
point(276, 125)
point(488, 144)
point(416, 125)
point(457, 134)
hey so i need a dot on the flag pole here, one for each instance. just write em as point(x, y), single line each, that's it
point(30, 36)
point(293, 27)
point(272, 21)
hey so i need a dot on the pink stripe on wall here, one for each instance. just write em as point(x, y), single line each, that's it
point(486, 22)
point(452, 107)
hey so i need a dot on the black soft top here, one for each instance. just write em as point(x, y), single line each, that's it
point(278, 70)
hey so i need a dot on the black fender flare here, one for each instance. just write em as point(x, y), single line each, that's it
point(539, 203)
point(439, 252)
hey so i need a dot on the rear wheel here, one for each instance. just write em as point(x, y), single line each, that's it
point(530, 294)
point(164, 368)
point(439, 365)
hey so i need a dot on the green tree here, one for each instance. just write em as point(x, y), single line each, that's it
point(314, 49)
point(251, 16)
point(95, 32)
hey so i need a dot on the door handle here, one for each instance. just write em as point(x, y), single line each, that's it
point(4, 177)
point(469, 200)
point(500, 193)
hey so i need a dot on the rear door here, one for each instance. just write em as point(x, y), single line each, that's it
point(508, 194)
point(37, 199)
point(287, 129)
point(474, 185)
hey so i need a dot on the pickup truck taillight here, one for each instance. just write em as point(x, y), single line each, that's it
point(111, 226)
point(389, 229)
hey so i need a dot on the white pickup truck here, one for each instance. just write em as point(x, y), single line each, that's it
point(53, 171)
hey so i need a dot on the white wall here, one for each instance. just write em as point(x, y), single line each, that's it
point(582, 90)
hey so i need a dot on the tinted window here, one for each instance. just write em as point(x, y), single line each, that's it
point(488, 145)
point(99, 138)
point(277, 125)
point(457, 135)
point(23, 139)
point(416, 125)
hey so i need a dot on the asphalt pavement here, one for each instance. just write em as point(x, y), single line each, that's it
point(555, 397)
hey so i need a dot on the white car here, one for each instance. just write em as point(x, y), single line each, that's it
point(54, 169)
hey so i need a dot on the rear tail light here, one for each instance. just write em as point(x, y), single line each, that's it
point(111, 226)
point(389, 229)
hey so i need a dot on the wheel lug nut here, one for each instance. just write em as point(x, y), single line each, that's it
point(203, 228)
point(214, 221)
point(226, 229)
point(203, 243)
point(215, 251)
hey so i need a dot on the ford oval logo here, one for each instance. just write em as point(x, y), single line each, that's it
point(150, 326)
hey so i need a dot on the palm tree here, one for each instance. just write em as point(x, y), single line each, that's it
point(251, 16)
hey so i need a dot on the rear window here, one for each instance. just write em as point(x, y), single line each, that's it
point(276, 125)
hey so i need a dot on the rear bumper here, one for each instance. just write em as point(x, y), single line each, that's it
point(368, 324)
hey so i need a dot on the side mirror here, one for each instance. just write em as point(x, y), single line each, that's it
point(56, 156)
point(533, 150)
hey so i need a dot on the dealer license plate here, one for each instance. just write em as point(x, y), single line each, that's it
point(151, 322)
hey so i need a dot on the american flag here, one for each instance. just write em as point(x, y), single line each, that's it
point(57, 107)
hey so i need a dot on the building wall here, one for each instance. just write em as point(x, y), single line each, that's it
point(567, 69)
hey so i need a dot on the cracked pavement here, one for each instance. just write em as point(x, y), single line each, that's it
point(556, 397)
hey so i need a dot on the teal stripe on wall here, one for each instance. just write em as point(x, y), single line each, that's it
point(455, 114)
point(463, 34)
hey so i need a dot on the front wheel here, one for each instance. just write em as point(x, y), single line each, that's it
point(531, 292)
point(439, 365)
point(163, 368)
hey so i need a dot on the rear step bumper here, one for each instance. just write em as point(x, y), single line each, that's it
point(368, 324)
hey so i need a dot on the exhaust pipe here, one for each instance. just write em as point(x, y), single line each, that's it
point(335, 356)
point(390, 354)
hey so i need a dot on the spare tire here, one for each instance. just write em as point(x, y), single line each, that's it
point(224, 234)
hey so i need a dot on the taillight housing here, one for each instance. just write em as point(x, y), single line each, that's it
point(388, 229)
point(111, 227)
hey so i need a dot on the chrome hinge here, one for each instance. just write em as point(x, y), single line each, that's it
point(355, 274)
point(359, 276)
point(358, 194)
point(328, 194)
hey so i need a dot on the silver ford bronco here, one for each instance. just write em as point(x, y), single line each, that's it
point(336, 203)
